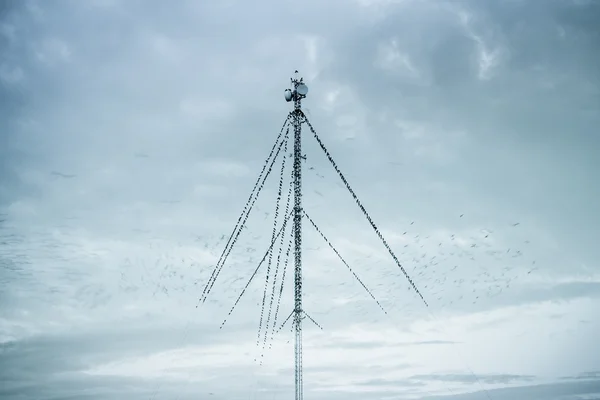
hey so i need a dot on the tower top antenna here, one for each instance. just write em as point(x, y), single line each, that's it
point(297, 92)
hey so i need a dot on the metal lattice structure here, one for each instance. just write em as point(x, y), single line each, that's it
point(297, 174)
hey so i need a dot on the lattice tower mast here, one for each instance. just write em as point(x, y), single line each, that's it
point(296, 94)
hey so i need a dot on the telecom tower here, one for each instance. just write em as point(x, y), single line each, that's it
point(295, 94)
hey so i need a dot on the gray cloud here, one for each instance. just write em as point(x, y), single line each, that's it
point(504, 379)
point(366, 345)
point(560, 390)
point(588, 375)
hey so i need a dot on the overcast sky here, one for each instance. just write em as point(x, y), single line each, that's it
point(131, 135)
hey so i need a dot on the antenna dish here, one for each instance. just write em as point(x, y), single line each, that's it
point(288, 95)
point(302, 89)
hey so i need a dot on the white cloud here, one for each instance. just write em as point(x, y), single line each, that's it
point(392, 59)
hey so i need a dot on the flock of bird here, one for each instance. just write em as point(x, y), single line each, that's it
point(450, 270)
point(453, 271)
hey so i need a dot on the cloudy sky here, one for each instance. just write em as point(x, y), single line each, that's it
point(132, 132)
